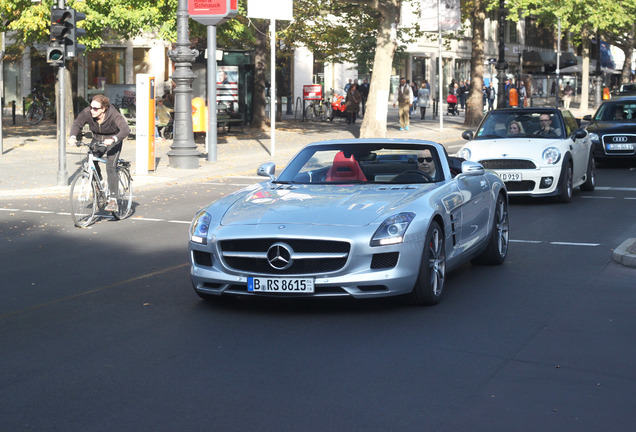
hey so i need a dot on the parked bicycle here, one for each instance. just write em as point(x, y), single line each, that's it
point(37, 110)
point(89, 192)
point(126, 105)
point(318, 110)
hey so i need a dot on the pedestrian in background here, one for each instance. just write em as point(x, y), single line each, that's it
point(423, 100)
point(492, 96)
point(413, 107)
point(462, 94)
point(567, 95)
point(403, 98)
point(352, 103)
point(364, 92)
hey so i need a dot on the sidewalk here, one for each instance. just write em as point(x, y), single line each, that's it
point(29, 163)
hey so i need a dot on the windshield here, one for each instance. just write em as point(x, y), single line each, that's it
point(619, 111)
point(364, 163)
point(524, 124)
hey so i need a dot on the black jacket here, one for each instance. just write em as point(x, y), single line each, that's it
point(114, 125)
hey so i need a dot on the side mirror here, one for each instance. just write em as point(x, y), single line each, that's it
point(467, 135)
point(580, 133)
point(470, 168)
point(587, 117)
point(267, 170)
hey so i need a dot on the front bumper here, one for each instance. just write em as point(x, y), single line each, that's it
point(542, 181)
point(367, 271)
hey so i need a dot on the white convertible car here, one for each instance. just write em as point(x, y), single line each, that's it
point(535, 151)
point(356, 218)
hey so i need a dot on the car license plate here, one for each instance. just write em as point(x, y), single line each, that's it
point(620, 146)
point(281, 285)
point(510, 176)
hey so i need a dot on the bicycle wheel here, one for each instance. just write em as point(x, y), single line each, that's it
point(35, 114)
point(323, 112)
point(124, 194)
point(309, 113)
point(83, 200)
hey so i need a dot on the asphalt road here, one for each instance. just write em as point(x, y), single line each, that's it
point(100, 330)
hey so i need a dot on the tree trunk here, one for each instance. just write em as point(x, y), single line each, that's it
point(585, 69)
point(475, 102)
point(628, 49)
point(260, 66)
point(375, 118)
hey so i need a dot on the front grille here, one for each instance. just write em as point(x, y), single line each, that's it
point(496, 164)
point(384, 260)
point(522, 186)
point(618, 140)
point(310, 256)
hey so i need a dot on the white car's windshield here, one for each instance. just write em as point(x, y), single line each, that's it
point(522, 124)
point(364, 163)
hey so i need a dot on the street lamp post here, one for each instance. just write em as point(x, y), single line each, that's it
point(183, 153)
point(501, 63)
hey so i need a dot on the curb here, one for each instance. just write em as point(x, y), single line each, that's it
point(625, 254)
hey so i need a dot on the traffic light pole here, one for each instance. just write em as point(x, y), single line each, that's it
point(62, 174)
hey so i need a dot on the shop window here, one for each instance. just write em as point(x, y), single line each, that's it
point(105, 66)
point(141, 60)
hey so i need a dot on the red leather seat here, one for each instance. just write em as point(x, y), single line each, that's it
point(345, 169)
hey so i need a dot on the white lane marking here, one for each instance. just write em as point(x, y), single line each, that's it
point(622, 189)
point(136, 218)
point(597, 197)
point(38, 211)
point(10, 210)
point(630, 198)
point(526, 241)
point(179, 222)
point(574, 244)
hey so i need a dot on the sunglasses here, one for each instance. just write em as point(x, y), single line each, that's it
point(422, 159)
point(95, 108)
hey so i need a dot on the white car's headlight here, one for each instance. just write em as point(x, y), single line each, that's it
point(594, 137)
point(392, 229)
point(464, 154)
point(551, 155)
point(200, 227)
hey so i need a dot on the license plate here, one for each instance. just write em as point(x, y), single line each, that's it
point(510, 176)
point(620, 146)
point(280, 285)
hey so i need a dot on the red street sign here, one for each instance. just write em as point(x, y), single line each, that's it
point(212, 12)
point(312, 92)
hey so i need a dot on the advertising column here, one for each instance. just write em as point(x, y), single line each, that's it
point(145, 151)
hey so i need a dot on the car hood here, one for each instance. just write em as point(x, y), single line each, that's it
point(525, 148)
point(611, 127)
point(347, 204)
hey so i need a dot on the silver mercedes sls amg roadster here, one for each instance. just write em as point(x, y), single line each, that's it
point(360, 218)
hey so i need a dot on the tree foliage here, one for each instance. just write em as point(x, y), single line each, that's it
point(106, 20)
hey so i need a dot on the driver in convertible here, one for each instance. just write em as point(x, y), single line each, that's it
point(426, 163)
point(546, 127)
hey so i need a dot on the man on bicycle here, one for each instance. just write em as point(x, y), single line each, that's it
point(109, 128)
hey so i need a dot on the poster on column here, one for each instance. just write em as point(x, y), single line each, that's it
point(227, 87)
point(449, 15)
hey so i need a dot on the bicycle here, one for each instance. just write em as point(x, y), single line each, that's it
point(318, 110)
point(37, 110)
point(89, 192)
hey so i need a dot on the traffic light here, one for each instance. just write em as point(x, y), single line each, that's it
point(60, 32)
point(74, 48)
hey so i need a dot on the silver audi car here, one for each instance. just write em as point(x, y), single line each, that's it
point(360, 218)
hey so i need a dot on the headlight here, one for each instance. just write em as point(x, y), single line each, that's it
point(200, 227)
point(464, 154)
point(392, 230)
point(594, 137)
point(551, 155)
